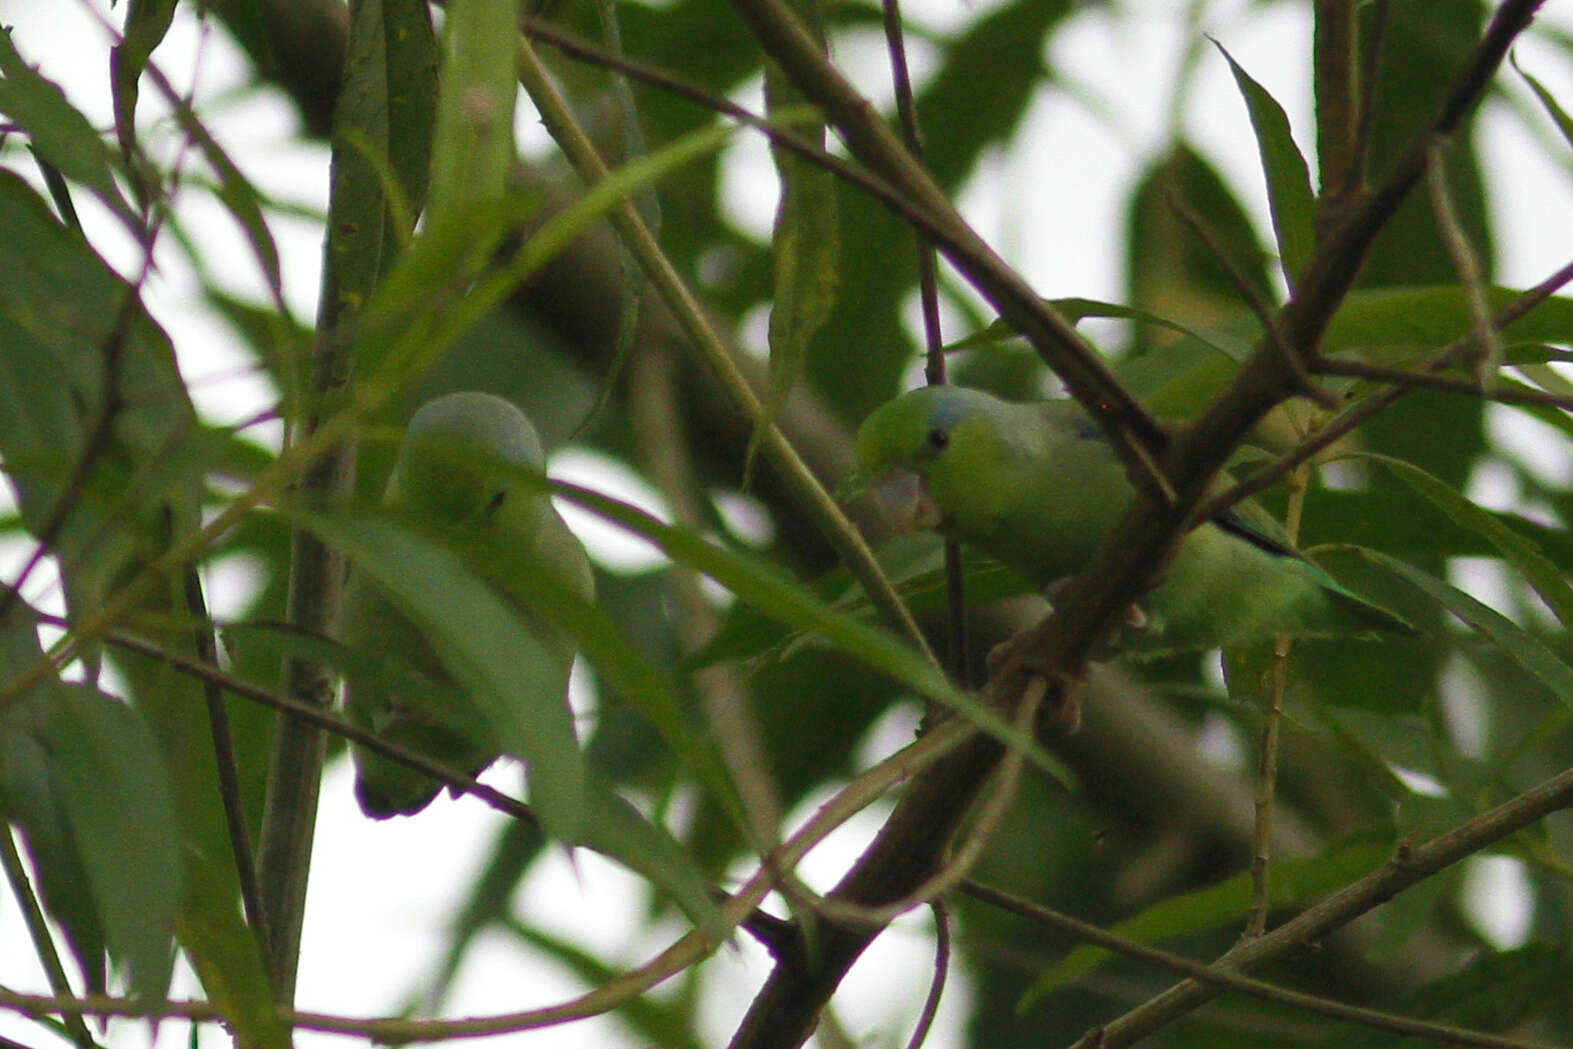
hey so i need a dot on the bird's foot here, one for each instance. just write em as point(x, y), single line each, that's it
point(1019, 662)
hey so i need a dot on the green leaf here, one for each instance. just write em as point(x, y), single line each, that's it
point(1289, 193)
point(1293, 882)
point(1430, 316)
point(654, 1021)
point(60, 133)
point(489, 649)
point(1004, 50)
point(1543, 574)
point(1524, 648)
point(30, 799)
point(472, 144)
point(1547, 100)
point(73, 336)
point(615, 828)
point(223, 951)
point(806, 252)
point(915, 563)
point(1177, 270)
point(1492, 992)
point(117, 800)
point(146, 23)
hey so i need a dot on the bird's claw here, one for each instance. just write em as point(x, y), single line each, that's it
point(1019, 660)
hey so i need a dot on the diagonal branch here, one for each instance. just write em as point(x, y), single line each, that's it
point(1407, 868)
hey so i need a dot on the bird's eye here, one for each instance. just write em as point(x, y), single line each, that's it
point(495, 501)
point(938, 439)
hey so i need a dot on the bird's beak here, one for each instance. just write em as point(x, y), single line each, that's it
point(904, 502)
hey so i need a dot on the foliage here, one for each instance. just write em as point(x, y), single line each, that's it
point(1329, 326)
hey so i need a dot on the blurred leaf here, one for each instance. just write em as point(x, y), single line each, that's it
point(226, 957)
point(1289, 193)
point(60, 133)
point(30, 799)
point(1548, 101)
point(667, 1026)
point(472, 143)
point(116, 797)
point(1493, 992)
point(914, 563)
point(1003, 49)
point(1425, 47)
point(1175, 271)
point(615, 828)
point(485, 645)
point(1528, 651)
point(146, 23)
point(1294, 882)
point(1546, 577)
point(1430, 316)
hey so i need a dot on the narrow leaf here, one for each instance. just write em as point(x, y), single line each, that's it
point(1289, 193)
point(1528, 651)
point(473, 139)
point(117, 798)
point(1543, 574)
point(1294, 882)
point(146, 23)
point(1548, 100)
point(488, 648)
point(59, 130)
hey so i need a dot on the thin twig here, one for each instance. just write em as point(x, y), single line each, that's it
point(663, 450)
point(996, 803)
point(934, 364)
point(1266, 315)
point(1267, 752)
point(225, 762)
point(702, 338)
point(1428, 380)
point(1487, 341)
point(870, 785)
point(920, 1030)
point(38, 930)
point(324, 719)
point(1229, 980)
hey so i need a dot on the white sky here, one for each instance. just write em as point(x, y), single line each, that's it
point(381, 892)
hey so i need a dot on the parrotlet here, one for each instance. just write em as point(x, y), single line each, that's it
point(1038, 487)
point(453, 473)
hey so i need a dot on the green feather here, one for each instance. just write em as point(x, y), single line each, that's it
point(1036, 486)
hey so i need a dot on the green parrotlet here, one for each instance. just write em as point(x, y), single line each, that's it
point(452, 472)
point(1038, 487)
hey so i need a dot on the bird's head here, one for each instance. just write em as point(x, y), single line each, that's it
point(909, 449)
point(454, 462)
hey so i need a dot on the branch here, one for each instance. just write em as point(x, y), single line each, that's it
point(1227, 980)
point(1407, 868)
